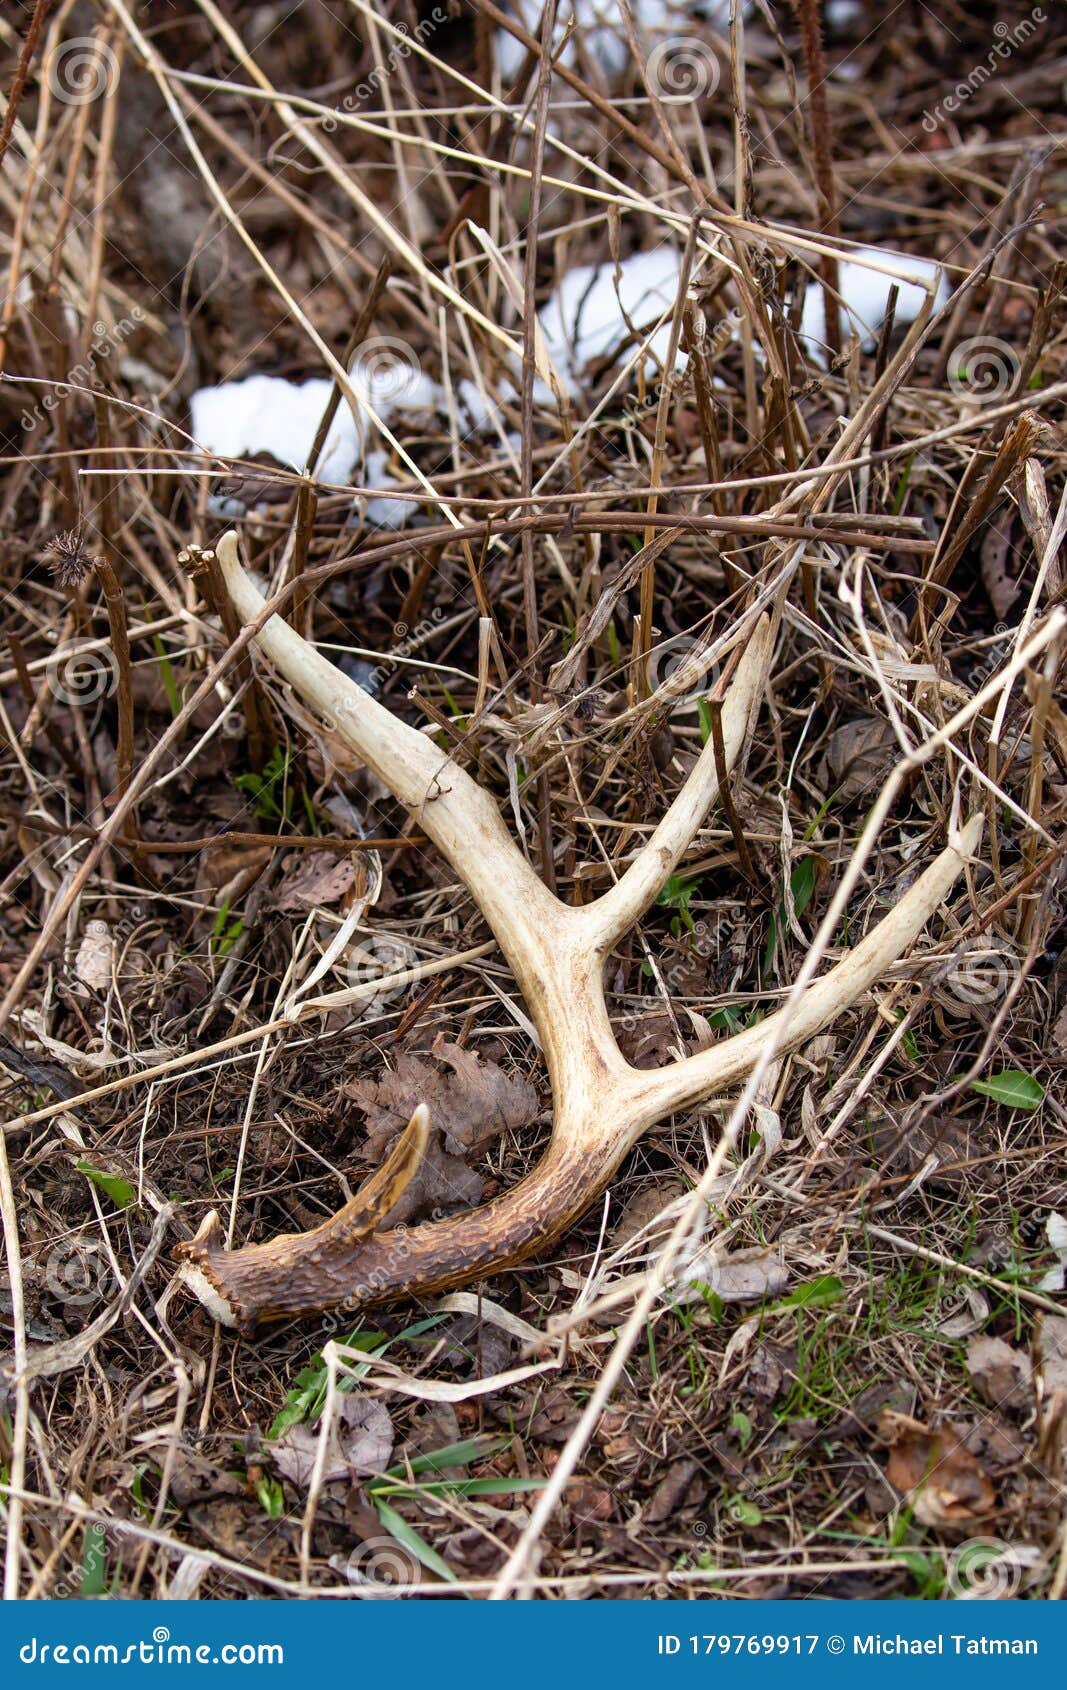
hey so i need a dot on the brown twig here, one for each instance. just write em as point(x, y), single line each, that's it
point(22, 70)
point(118, 623)
point(204, 565)
point(208, 841)
point(726, 797)
point(307, 498)
point(810, 21)
point(25, 682)
point(72, 563)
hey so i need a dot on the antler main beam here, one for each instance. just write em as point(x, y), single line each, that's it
point(602, 1105)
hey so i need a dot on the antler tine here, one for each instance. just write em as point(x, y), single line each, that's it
point(711, 1072)
point(616, 912)
point(459, 816)
point(601, 1105)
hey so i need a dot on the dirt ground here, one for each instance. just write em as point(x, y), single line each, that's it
point(848, 1376)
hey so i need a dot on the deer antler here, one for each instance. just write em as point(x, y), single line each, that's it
point(602, 1105)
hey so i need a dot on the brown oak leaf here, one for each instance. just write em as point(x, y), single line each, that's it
point(471, 1105)
point(937, 1470)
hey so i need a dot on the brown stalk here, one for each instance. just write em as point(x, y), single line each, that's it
point(22, 70)
point(72, 564)
point(307, 498)
point(810, 21)
point(25, 683)
point(115, 600)
point(975, 499)
point(118, 623)
point(1049, 304)
point(729, 808)
point(207, 841)
point(204, 566)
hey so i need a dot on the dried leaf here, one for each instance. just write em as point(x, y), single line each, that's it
point(768, 1370)
point(967, 1316)
point(999, 1373)
point(936, 1471)
point(360, 1443)
point(195, 1477)
point(674, 1491)
point(472, 1105)
point(442, 1183)
point(232, 868)
point(315, 879)
point(996, 550)
point(859, 754)
point(643, 1216)
point(746, 1277)
point(1052, 1353)
point(95, 955)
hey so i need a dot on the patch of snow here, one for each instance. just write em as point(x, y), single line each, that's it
point(394, 382)
point(841, 13)
point(865, 295)
point(591, 316)
point(597, 307)
point(384, 513)
point(476, 409)
point(268, 414)
point(1056, 1233)
point(598, 26)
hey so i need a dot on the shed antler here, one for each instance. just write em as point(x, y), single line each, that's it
point(602, 1105)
